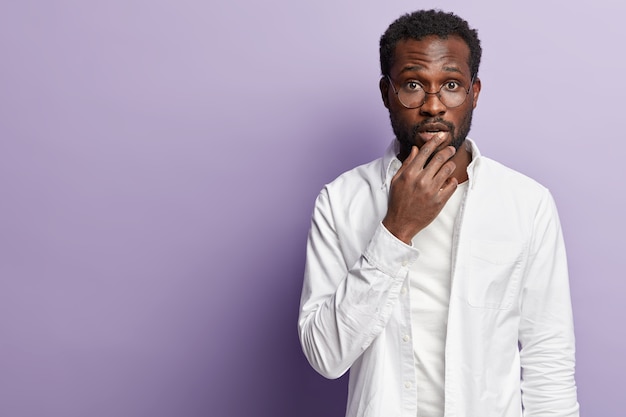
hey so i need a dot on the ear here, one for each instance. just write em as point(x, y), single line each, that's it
point(383, 84)
point(475, 92)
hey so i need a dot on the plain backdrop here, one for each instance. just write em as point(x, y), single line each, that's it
point(159, 161)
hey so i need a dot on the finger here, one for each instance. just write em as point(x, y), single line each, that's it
point(407, 161)
point(448, 188)
point(429, 149)
point(444, 173)
point(417, 162)
point(438, 159)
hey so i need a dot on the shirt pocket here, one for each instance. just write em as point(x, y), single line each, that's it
point(495, 269)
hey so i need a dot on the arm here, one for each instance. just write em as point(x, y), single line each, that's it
point(343, 308)
point(345, 305)
point(546, 332)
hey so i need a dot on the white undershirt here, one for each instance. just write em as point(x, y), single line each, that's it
point(430, 297)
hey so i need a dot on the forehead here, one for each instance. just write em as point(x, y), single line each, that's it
point(431, 53)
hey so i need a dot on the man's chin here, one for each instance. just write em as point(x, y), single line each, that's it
point(457, 143)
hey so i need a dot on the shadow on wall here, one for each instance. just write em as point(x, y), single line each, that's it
point(261, 370)
point(349, 136)
point(271, 377)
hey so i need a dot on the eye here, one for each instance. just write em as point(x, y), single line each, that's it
point(412, 87)
point(452, 86)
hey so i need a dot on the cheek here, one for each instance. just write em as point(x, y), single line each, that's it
point(404, 117)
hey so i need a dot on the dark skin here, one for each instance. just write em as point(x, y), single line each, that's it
point(431, 167)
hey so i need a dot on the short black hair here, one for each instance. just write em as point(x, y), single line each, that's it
point(423, 23)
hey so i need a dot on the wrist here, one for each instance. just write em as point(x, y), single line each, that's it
point(398, 232)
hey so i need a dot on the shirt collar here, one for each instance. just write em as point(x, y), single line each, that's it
point(391, 163)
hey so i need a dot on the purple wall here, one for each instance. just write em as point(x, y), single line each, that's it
point(158, 165)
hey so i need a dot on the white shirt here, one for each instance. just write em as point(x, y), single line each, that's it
point(509, 289)
point(429, 283)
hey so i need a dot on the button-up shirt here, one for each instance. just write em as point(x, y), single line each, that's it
point(510, 341)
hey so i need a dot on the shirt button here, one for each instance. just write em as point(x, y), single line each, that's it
point(405, 263)
point(406, 338)
point(407, 385)
point(403, 291)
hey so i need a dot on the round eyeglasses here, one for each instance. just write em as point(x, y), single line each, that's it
point(412, 95)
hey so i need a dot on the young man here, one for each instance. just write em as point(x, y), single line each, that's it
point(437, 276)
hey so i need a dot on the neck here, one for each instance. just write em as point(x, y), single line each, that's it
point(462, 159)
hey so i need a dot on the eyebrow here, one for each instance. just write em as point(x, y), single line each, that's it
point(452, 69)
point(412, 68)
point(420, 67)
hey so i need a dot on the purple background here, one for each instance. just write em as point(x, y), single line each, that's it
point(159, 161)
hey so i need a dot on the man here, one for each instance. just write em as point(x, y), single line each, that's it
point(437, 276)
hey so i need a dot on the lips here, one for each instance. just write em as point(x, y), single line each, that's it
point(429, 130)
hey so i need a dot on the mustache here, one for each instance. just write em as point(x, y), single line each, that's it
point(437, 120)
point(433, 120)
point(409, 141)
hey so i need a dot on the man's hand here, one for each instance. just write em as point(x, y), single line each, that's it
point(418, 192)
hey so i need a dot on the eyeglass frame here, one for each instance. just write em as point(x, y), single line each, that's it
point(426, 93)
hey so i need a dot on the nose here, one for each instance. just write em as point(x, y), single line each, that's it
point(432, 105)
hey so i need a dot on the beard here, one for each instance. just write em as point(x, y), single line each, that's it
point(407, 134)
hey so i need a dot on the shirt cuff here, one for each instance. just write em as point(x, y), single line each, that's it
point(389, 254)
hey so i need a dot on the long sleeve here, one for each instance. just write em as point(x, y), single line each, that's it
point(345, 303)
point(546, 333)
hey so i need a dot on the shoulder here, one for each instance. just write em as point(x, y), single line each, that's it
point(354, 181)
point(504, 193)
point(355, 197)
point(494, 174)
point(503, 202)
